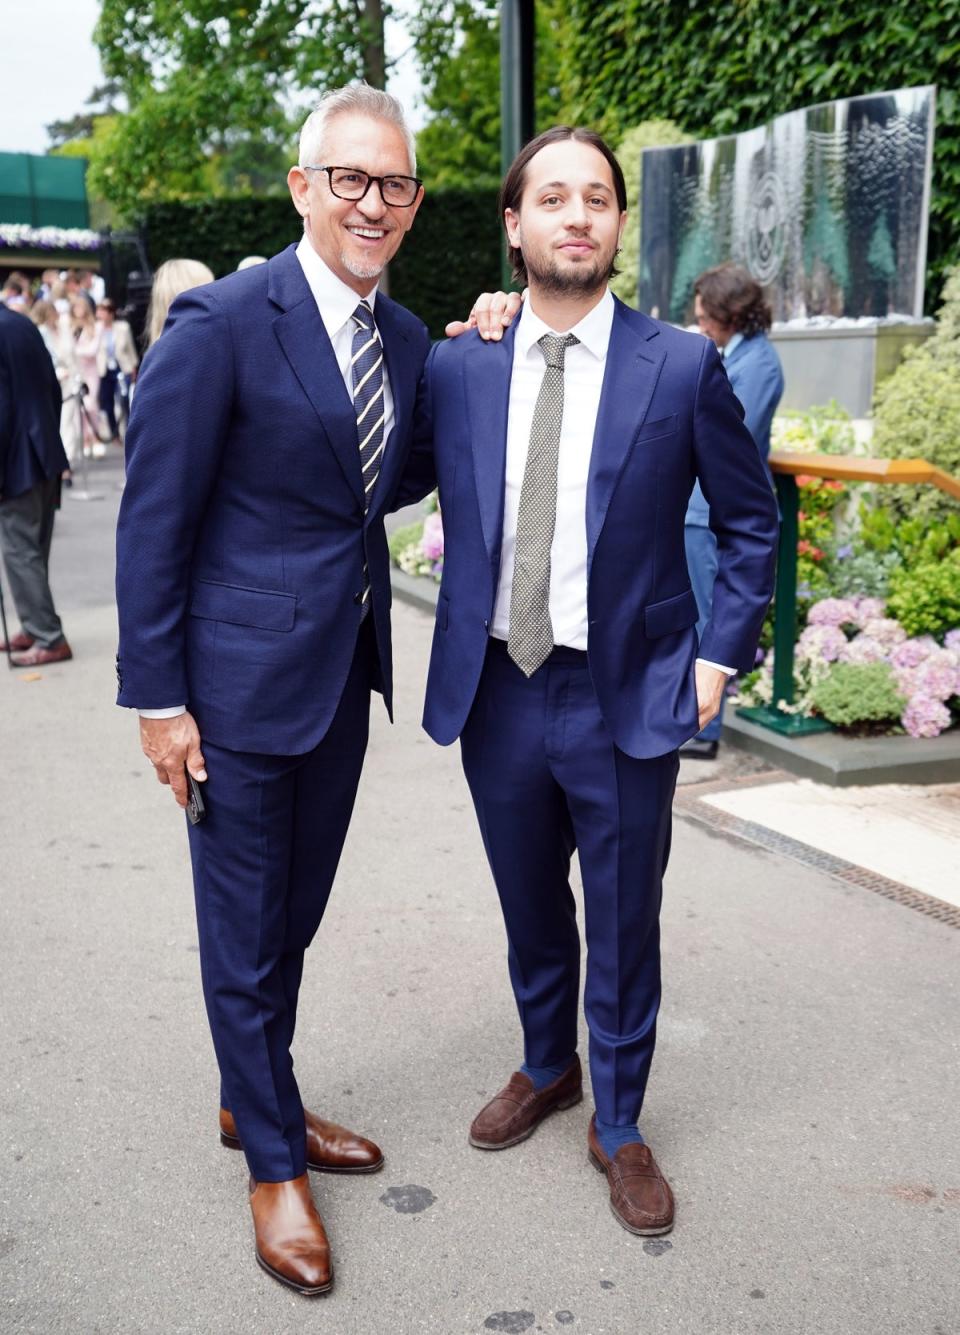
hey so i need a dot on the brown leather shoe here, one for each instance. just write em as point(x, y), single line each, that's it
point(330, 1148)
point(37, 657)
point(640, 1196)
point(18, 643)
point(517, 1111)
point(292, 1245)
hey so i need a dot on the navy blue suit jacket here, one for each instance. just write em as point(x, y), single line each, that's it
point(756, 377)
point(31, 450)
point(667, 416)
point(242, 535)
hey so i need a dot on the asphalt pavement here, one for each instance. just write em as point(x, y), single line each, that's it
point(803, 1102)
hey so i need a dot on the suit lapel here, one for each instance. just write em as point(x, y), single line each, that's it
point(309, 351)
point(629, 379)
point(487, 370)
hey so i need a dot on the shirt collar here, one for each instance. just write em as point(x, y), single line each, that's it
point(593, 331)
point(335, 300)
point(731, 345)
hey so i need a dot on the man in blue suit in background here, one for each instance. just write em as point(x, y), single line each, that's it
point(565, 656)
point(270, 429)
point(730, 308)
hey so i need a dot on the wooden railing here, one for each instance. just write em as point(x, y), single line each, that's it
point(786, 468)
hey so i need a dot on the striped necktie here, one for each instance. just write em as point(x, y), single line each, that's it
point(366, 366)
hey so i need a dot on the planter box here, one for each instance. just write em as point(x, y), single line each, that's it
point(843, 363)
point(829, 757)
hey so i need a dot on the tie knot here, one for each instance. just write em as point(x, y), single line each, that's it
point(554, 346)
point(363, 315)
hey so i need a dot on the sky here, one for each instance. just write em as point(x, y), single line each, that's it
point(51, 66)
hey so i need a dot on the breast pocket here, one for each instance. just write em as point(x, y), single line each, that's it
point(662, 426)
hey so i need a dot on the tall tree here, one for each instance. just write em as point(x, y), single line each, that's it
point(214, 91)
point(458, 49)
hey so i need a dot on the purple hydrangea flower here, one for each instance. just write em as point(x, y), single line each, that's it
point(924, 717)
point(938, 676)
point(911, 653)
point(824, 642)
point(431, 544)
point(833, 612)
point(952, 640)
point(844, 552)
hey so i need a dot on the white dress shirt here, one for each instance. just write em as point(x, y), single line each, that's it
point(582, 382)
point(336, 303)
point(584, 367)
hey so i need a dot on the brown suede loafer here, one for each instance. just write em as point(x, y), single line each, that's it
point(519, 1108)
point(291, 1241)
point(38, 657)
point(640, 1196)
point(330, 1148)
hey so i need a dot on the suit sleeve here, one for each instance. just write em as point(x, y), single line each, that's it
point(743, 516)
point(181, 412)
point(420, 474)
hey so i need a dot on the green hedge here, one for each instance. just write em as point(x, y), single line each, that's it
point(451, 254)
point(735, 64)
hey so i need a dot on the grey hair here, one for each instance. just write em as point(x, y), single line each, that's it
point(357, 99)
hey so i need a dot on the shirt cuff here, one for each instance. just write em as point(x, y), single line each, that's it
point(731, 672)
point(174, 711)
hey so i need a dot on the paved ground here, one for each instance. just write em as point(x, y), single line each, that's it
point(803, 1101)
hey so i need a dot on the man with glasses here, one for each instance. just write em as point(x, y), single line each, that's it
point(270, 429)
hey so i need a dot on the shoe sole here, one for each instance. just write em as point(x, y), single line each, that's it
point(233, 1143)
point(308, 1291)
point(631, 1228)
point(560, 1106)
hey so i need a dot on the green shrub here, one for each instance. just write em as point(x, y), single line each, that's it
point(926, 599)
point(404, 537)
point(650, 134)
point(854, 693)
point(917, 412)
point(863, 574)
point(824, 429)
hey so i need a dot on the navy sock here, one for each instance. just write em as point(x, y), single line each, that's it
point(611, 1138)
point(545, 1075)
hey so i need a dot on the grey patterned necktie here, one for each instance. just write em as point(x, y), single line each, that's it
point(531, 632)
point(366, 366)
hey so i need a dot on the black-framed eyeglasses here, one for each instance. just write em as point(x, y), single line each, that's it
point(349, 183)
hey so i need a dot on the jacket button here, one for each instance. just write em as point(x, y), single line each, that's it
point(486, 625)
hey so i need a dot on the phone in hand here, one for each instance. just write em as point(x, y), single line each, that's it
point(196, 808)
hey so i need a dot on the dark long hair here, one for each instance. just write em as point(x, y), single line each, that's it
point(511, 192)
point(733, 298)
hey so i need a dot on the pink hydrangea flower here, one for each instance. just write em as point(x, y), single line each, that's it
point(924, 717)
point(885, 631)
point(863, 649)
point(911, 653)
point(868, 609)
point(833, 612)
point(938, 676)
point(952, 640)
point(431, 544)
point(826, 643)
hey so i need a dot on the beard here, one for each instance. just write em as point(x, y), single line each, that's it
point(361, 268)
point(581, 279)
